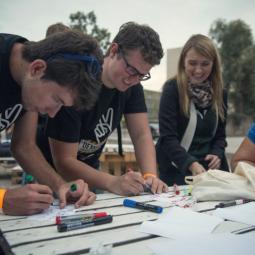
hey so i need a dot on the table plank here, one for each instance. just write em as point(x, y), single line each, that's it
point(82, 243)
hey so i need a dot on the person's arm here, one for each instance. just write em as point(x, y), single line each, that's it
point(245, 152)
point(30, 158)
point(27, 200)
point(65, 160)
point(138, 127)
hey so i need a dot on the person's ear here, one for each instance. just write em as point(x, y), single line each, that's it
point(114, 49)
point(37, 68)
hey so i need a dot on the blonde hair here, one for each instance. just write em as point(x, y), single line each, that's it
point(204, 46)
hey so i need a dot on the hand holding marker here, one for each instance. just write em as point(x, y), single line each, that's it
point(146, 186)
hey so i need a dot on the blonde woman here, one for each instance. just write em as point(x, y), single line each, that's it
point(192, 115)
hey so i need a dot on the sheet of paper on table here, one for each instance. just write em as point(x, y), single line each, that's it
point(51, 213)
point(227, 244)
point(180, 222)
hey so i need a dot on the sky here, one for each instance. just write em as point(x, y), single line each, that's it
point(174, 20)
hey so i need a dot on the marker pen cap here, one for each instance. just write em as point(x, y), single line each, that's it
point(129, 203)
point(58, 220)
point(100, 214)
point(73, 187)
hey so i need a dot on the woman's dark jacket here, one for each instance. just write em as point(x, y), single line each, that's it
point(173, 160)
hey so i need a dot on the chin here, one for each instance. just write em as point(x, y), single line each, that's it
point(123, 87)
point(197, 81)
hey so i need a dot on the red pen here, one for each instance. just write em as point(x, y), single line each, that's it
point(176, 189)
point(79, 217)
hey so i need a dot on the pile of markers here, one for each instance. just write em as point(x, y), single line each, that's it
point(77, 221)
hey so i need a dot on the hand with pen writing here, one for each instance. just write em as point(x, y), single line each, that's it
point(75, 192)
point(155, 184)
point(27, 200)
point(130, 183)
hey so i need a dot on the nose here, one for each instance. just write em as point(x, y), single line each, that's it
point(198, 69)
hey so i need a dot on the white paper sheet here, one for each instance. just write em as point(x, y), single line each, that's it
point(181, 222)
point(241, 213)
point(227, 244)
point(51, 213)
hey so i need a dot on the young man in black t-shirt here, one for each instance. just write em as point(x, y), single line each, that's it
point(41, 77)
point(77, 138)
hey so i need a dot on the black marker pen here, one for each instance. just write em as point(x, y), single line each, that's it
point(63, 227)
point(232, 203)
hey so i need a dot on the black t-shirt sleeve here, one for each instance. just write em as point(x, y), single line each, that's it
point(65, 126)
point(135, 101)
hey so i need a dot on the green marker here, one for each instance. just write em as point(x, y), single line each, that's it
point(73, 187)
point(29, 178)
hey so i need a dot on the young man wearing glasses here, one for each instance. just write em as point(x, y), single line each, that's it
point(41, 77)
point(78, 138)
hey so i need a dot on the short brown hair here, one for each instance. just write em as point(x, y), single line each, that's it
point(56, 28)
point(134, 36)
point(72, 74)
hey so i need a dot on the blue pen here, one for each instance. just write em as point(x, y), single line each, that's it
point(147, 188)
point(143, 206)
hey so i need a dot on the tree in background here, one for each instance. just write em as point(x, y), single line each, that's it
point(237, 50)
point(87, 24)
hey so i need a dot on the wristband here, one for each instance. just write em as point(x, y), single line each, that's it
point(149, 175)
point(2, 193)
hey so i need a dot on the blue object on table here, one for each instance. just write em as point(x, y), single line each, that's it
point(143, 206)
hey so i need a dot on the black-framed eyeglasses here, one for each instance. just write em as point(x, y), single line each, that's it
point(92, 64)
point(131, 70)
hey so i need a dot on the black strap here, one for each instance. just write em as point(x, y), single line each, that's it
point(120, 149)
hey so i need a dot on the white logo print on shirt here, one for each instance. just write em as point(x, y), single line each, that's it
point(9, 116)
point(105, 125)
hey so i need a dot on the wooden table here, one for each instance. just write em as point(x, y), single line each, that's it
point(19, 235)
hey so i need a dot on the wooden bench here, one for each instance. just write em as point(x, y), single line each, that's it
point(113, 163)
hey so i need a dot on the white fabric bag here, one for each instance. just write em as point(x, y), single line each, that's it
point(217, 185)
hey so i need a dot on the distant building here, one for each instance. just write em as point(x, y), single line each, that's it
point(152, 99)
point(172, 61)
